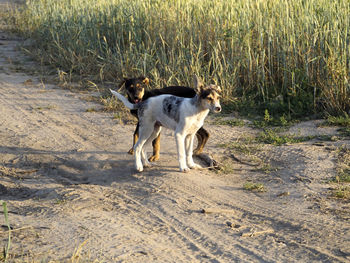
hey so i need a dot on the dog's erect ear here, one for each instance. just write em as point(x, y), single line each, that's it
point(218, 89)
point(198, 84)
point(145, 81)
point(122, 83)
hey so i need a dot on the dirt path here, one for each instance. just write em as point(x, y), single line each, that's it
point(69, 185)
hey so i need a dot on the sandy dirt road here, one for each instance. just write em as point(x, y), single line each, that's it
point(73, 194)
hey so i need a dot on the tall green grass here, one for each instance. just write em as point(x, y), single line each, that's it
point(287, 56)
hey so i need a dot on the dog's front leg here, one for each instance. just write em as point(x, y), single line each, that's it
point(180, 144)
point(138, 151)
point(189, 152)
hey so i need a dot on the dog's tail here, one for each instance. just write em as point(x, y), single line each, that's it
point(124, 100)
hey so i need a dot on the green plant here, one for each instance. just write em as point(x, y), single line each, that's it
point(250, 186)
point(344, 131)
point(92, 109)
point(269, 120)
point(342, 120)
point(342, 192)
point(267, 117)
point(267, 168)
point(269, 136)
point(342, 178)
point(231, 122)
point(226, 167)
point(47, 107)
point(244, 145)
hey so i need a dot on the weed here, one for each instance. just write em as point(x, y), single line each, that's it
point(269, 136)
point(250, 186)
point(342, 192)
point(8, 246)
point(342, 120)
point(342, 179)
point(267, 168)
point(92, 109)
point(231, 122)
point(76, 257)
point(59, 201)
point(116, 116)
point(47, 107)
point(111, 104)
point(269, 120)
point(345, 131)
point(267, 117)
point(245, 146)
point(226, 167)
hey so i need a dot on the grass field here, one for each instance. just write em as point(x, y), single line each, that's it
point(290, 57)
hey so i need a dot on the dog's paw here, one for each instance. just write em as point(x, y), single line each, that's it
point(185, 170)
point(139, 168)
point(153, 158)
point(147, 165)
point(131, 151)
point(194, 166)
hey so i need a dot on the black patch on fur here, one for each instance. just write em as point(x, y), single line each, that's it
point(171, 107)
point(205, 93)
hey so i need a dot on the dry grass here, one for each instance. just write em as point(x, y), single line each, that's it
point(296, 51)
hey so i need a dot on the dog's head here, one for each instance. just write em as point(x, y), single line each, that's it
point(209, 95)
point(135, 88)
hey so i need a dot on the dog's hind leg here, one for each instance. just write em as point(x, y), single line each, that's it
point(155, 134)
point(202, 138)
point(145, 132)
point(156, 149)
point(135, 139)
point(189, 151)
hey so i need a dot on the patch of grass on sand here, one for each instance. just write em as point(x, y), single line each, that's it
point(226, 167)
point(342, 120)
point(47, 107)
point(257, 187)
point(342, 192)
point(342, 179)
point(243, 145)
point(230, 122)
point(270, 136)
point(92, 109)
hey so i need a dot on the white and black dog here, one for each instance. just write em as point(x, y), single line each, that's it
point(183, 115)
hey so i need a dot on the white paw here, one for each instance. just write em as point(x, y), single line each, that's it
point(184, 170)
point(139, 168)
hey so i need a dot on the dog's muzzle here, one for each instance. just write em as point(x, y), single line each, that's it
point(217, 109)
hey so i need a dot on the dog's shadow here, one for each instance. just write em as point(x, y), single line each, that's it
point(77, 167)
point(68, 167)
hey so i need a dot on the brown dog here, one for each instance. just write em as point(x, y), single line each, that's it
point(136, 92)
